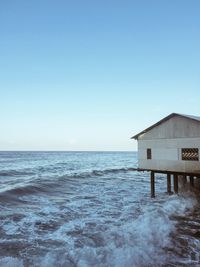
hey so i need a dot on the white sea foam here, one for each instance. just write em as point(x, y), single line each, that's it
point(10, 262)
point(141, 242)
point(148, 237)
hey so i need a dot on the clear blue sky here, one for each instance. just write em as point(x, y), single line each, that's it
point(88, 74)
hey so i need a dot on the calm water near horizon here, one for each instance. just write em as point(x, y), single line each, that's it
point(87, 209)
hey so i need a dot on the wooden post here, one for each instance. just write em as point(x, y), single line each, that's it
point(184, 179)
point(192, 180)
point(175, 183)
point(169, 183)
point(152, 184)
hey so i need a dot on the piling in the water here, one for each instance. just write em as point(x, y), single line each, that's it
point(176, 177)
point(169, 191)
point(191, 180)
point(152, 184)
point(175, 183)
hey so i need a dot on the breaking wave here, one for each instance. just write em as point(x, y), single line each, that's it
point(45, 185)
point(146, 239)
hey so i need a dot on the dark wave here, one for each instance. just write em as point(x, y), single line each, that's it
point(96, 173)
point(106, 171)
point(54, 169)
point(45, 185)
point(11, 173)
point(14, 194)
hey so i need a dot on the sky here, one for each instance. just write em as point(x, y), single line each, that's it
point(89, 74)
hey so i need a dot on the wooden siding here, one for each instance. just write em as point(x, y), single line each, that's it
point(166, 154)
point(175, 127)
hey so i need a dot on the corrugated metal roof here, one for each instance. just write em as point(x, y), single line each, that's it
point(196, 118)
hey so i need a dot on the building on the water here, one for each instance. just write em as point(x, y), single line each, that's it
point(171, 146)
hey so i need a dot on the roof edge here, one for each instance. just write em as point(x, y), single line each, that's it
point(163, 120)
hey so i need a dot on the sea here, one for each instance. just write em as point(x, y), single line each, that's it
point(92, 209)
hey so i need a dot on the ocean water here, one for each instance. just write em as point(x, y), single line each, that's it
point(92, 209)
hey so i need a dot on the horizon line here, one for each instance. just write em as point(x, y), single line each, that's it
point(68, 150)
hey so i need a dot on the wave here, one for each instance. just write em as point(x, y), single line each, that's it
point(148, 239)
point(25, 172)
point(46, 185)
point(95, 173)
point(12, 173)
point(99, 172)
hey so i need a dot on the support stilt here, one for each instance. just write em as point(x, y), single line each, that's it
point(152, 184)
point(169, 184)
point(192, 180)
point(184, 179)
point(175, 183)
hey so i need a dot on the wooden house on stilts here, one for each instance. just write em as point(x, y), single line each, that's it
point(170, 146)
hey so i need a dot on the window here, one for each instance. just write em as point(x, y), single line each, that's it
point(149, 153)
point(190, 153)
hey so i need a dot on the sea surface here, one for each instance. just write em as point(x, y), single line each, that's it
point(67, 209)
